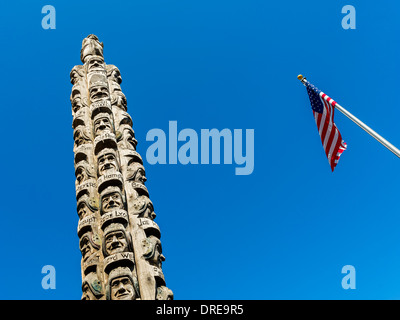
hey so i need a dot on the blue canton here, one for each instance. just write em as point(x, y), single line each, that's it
point(315, 99)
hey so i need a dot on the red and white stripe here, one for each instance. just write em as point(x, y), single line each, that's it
point(330, 136)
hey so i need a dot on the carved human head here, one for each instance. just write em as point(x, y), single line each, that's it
point(76, 92)
point(114, 74)
point(143, 207)
point(89, 243)
point(91, 287)
point(98, 92)
point(164, 293)
point(102, 122)
point(107, 160)
point(119, 100)
point(83, 171)
point(115, 239)
point(136, 172)
point(111, 199)
point(127, 136)
point(76, 74)
point(153, 251)
point(86, 206)
point(95, 63)
point(122, 285)
point(125, 120)
point(81, 135)
point(76, 104)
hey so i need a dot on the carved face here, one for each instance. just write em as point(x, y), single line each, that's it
point(86, 246)
point(83, 210)
point(116, 76)
point(107, 161)
point(122, 289)
point(76, 92)
point(87, 294)
point(158, 257)
point(83, 173)
point(115, 87)
point(86, 206)
point(101, 124)
point(136, 172)
point(111, 201)
point(140, 176)
point(116, 242)
point(98, 92)
point(96, 64)
point(76, 104)
point(164, 293)
point(149, 212)
point(143, 207)
point(74, 76)
point(81, 136)
point(80, 175)
point(120, 100)
point(128, 136)
point(153, 252)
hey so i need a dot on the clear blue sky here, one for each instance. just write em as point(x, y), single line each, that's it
point(283, 232)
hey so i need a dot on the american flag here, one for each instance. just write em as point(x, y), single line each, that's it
point(324, 109)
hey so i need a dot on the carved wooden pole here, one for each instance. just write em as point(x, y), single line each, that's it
point(119, 241)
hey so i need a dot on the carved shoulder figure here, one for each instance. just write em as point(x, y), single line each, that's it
point(91, 287)
point(114, 74)
point(118, 99)
point(75, 92)
point(89, 244)
point(81, 136)
point(136, 172)
point(164, 293)
point(143, 207)
point(114, 87)
point(78, 102)
point(126, 138)
point(86, 206)
point(83, 171)
point(76, 74)
point(153, 251)
point(125, 119)
point(81, 118)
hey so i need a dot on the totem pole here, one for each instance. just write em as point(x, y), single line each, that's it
point(118, 238)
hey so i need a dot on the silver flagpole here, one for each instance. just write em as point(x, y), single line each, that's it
point(361, 124)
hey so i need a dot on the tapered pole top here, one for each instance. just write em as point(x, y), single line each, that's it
point(91, 46)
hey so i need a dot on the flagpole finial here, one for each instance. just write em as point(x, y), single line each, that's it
point(300, 77)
